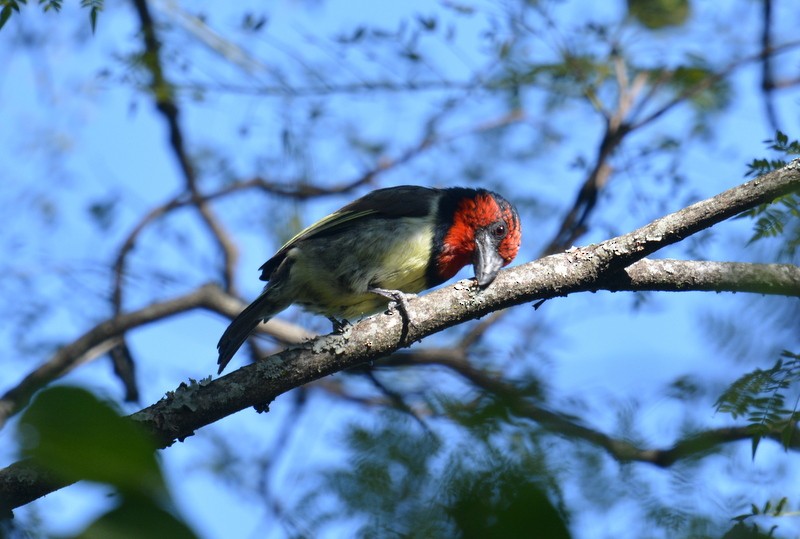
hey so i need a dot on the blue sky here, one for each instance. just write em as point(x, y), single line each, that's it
point(71, 135)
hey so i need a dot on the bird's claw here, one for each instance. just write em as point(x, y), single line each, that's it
point(399, 302)
point(340, 327)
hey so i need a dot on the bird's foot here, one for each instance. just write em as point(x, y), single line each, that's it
point(399, 299)
point(399, 302)
point(340, 327)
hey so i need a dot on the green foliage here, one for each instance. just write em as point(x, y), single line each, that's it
point(500, 500)
point(701, 85)
point(753, 531)
point(657, 14)
point(104, 212)
point(79, 437)
point(9, 6)
point(760, 397)
point(55, 5)
point(781, 217)
point(780, 144)
point(137, 518)
point(70, 432)
point(386, 483)
point(95, 7)
point(742, 531)
point(403, 482)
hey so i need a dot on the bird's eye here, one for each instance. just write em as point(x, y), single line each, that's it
point(499, 230)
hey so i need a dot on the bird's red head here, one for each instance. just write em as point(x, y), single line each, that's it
point(480, 228)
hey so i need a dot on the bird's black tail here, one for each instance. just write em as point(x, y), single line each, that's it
point(263, 308)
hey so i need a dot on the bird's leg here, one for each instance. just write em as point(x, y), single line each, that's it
point(400, 300)
point(339, 326)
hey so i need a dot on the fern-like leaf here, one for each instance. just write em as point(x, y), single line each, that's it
point(760, 396)
point(95, 7)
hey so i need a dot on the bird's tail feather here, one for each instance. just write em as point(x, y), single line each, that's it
point(263, 308)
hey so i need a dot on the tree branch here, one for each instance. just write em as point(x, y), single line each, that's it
point(644, 275)
point(693, 275)
point(558, 423)
point(578, 270)
point(196, 405)
point(163, 93)
point(709, 81)
point(107, 334)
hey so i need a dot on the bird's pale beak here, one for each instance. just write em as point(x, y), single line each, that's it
point(486, 260)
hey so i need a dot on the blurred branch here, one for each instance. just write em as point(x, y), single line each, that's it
point(164, 95)
point(186, 199)
point(621, 450)
point(95, 342)
point(786, 83)
point(354, 88)
point(108, 334)
point(295, 190)
point(767, 75)
point(573, 225)
point(124, 369)
point(622, 122)
point(395, 398)
point(199, 28)
point(195, 405)
point(708, 82)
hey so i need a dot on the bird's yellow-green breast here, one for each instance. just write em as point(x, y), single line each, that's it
point(390, 254)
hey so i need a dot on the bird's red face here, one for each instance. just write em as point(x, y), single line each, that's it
point(485, 232)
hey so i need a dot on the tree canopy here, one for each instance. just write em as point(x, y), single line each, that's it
point(634, 373)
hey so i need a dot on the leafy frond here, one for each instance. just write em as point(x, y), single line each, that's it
point(7, 7)
point(753, 529)
point(47, 5)
point(95, 7)
point(760, 396)
point(780, 144)
point(704, 88)
point(781, 217)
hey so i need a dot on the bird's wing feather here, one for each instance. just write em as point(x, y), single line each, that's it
point(392, 203)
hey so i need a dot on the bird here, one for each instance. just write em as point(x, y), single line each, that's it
point(389, 243)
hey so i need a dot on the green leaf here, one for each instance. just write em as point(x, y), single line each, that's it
point(781, 504)
point(5, 14)
point(103, 212)
point(760, 396)
point(428, 23)
point(513, 506)
point(137, 518)
point(55, 5)
point(657, 14)
point(77, 436)
point(95, 7)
